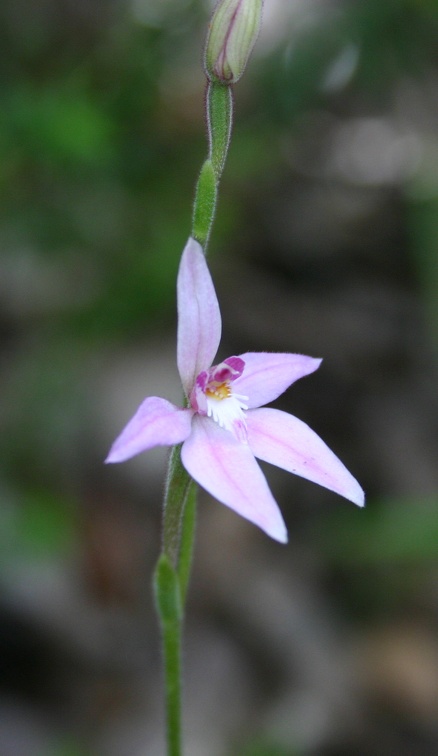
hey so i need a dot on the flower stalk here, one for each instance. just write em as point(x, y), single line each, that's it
point(170, 612)
point(219, 116)
point(179, 513)
point(178, 486)
point(219, 107)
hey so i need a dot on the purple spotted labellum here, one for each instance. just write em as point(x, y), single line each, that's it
point(225, 427)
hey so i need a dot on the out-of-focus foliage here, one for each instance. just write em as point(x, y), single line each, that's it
point(326, 243)
point(91, 169)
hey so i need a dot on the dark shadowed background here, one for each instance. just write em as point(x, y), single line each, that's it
point(325, 243)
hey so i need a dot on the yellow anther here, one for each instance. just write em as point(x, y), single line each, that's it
point(218, 391)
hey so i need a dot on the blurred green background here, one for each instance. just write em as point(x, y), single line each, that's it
point(325, 243)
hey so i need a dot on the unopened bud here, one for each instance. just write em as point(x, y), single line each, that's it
point(233, 31)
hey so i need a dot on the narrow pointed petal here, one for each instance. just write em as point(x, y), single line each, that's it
point(157, 422)
point(285, 441)
point(199, 319)
point(266, 375)
point(226, 468)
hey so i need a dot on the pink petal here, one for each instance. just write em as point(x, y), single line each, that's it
point(226, 468)
point(266, 375)
point(157, 422)
point(199, 319)
point(287, 442)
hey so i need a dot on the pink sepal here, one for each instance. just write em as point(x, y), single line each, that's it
point(226, 468)
point(199, 319)
point(157, 422)
point(285, 441)
point(267, 375)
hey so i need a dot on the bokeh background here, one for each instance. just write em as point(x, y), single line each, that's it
point(326, 243)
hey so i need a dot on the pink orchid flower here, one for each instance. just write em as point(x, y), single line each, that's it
point(224, 426)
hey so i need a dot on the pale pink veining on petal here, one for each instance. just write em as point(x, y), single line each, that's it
point(225, 428)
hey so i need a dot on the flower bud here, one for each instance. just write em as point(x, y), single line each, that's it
point(233, 31)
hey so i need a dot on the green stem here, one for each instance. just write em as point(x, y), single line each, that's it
point(188, 527)
point(173, 568)
point(172, 639)
point(219, 106)
point(178, 485)
point(170, 612)
point(170, 586)
point(204, 206)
